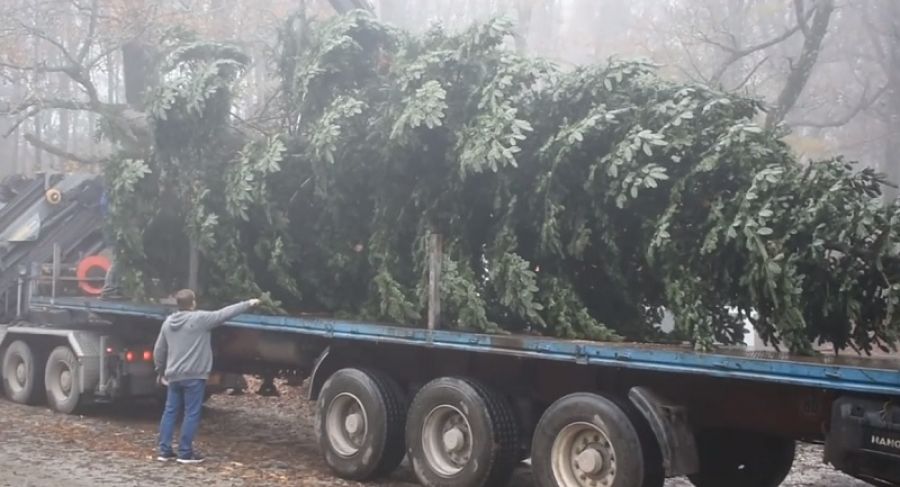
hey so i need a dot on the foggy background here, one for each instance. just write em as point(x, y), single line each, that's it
point(74, 71)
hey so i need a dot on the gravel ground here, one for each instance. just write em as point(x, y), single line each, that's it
point(250, 441)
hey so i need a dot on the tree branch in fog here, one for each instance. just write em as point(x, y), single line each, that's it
point(865, 101)
point(56, 151)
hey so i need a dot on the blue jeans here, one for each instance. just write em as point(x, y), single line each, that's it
point(186, 395)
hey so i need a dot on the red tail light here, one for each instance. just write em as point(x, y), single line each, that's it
point(148, 355)
point(129, 356)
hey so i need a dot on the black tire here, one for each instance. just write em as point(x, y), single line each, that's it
point(488, 432)
point(379, 449)
point(621, 459)
point(61, 380)
point(742, 459)
point(23, 374)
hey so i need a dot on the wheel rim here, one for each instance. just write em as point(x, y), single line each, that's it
point(346, 424)
point(62, 380)
point(447, 440)
point(18, 374)
point(583, 456)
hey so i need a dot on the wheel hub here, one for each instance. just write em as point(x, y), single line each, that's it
point(346, 424)
point(65, 381)
point(454, 440)
point(447, 440)
point(20, 373)
point(589, 461)
point(583, 456)
point(354, 423)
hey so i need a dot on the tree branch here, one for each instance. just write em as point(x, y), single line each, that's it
point(38, 33)
point(738, 53)
point(32, 106)
point(750, 74)
point(56, 151)
point(75, 72)
point(37, 68)
point(53, 103)
point(864, 103)
point(20, 120)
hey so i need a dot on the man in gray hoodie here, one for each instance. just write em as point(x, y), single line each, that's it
point(183, 358)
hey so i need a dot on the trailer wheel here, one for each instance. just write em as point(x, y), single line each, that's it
point(359, 423)
point(587, 440)
point(23, 377)
point(742, 459)
point(61, 380)
point(460, 432)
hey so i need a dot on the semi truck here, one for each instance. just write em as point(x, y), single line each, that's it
point(466, 408)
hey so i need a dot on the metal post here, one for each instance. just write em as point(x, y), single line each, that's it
point(56, 258)
point(19, 292)
point(104, 340)
point(193, 266)
point(33, 281)
point(435, 258)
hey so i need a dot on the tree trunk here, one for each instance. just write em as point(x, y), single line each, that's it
point(524, 12)
point(891, 163)
point(260, 71)
point(36, 81)
point(65, 125)
point(544, 28)
point(38, 154)
point(803, 67)
point(112, 78)
point(17, 151)
point(139, 68)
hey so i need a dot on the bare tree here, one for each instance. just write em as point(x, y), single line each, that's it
point(70, 62)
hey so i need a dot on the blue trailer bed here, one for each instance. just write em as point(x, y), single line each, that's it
point(851, 373)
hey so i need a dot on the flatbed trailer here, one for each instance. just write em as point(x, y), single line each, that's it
point(465, 408)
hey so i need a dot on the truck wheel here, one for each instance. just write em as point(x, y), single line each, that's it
point(359, 423)
point(586, 440)
point(23, 377)
point(61, 380)
point(742, 459)
point(459, 432)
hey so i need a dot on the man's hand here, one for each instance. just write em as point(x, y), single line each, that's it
point(161, 381)
point(254, 302)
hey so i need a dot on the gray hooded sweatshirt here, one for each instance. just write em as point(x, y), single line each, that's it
point(183, 350)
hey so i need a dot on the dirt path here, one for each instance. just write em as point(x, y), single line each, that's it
point(250, 440)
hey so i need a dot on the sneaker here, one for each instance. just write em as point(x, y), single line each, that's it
point(194, 458)
point(166, 457)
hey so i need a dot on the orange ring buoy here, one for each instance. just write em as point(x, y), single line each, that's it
point(84, 267)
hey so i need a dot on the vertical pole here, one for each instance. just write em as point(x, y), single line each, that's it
point(56, 258)
point(19, 294)
point(104, 340)
point(33, 281)
point(193, 266)
point(435, 258)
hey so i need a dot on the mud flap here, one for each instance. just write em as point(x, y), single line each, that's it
point(670, 426)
